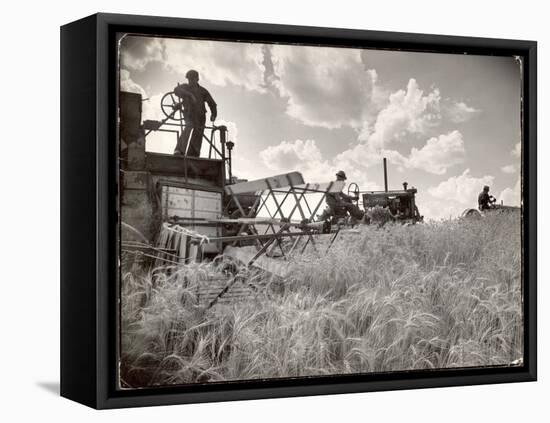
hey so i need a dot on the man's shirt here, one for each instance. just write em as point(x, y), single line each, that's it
point(194, 97)
point(337, 199)
point(483, 200)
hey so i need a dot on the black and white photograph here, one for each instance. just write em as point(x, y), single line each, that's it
point(276, 212)
point(304, 210)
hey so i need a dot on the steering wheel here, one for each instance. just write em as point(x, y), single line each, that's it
point(353, 188)
point(171, 107)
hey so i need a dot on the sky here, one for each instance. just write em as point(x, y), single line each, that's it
point(447, 123)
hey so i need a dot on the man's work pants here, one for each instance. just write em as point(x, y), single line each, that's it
point(195, 129)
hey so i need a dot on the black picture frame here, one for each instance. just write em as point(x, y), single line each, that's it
point(89, 212)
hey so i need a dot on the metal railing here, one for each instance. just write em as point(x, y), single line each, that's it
point(219, 148)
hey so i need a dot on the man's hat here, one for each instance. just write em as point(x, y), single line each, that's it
point(192, 73)
point(486, 188)
point(341, 174)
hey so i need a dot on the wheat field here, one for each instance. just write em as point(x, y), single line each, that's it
point(429, 296)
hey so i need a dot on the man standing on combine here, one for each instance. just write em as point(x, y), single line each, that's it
point(341, 204)
point(193, 98)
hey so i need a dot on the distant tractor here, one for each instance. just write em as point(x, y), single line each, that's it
point(476, 214)
point(486, 203)
point(384, 206)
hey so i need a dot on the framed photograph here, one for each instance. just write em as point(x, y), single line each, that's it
point(255, 211)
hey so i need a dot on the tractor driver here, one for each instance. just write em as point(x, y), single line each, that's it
point(193, 98)
point(484, 200)
point(341, 204)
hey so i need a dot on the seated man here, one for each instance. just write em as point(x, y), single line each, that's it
point(341, 204)
point(484, 200)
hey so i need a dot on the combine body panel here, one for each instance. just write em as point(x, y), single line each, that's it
point(194, 209)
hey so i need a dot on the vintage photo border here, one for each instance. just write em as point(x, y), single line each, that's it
point(89, 213)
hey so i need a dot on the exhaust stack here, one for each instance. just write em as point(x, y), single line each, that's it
point(385, 176)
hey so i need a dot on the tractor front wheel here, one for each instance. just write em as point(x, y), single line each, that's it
point(471, 214)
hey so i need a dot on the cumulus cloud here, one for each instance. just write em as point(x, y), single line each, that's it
point(298, 155)
point(511, 196)
point(438, 154)
point(436, 209)
point(219, 63)
point(127, 84)
point(459, 112)
point(290, 154)
point(137, 52)
point(463, 188)
point(331, 88)
point(324, 86)
point(508, 168)
point(408, 111)
point(453, 196)
point(306, 157)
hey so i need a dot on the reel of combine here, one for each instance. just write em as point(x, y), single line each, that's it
point(172, 106)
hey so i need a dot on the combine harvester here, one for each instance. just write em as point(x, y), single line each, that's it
point(178, 210)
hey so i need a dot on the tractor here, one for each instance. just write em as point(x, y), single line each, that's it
point(397, 205)
point(381, 206)
point(494, 208)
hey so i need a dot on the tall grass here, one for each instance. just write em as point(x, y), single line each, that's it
point(436, 295)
